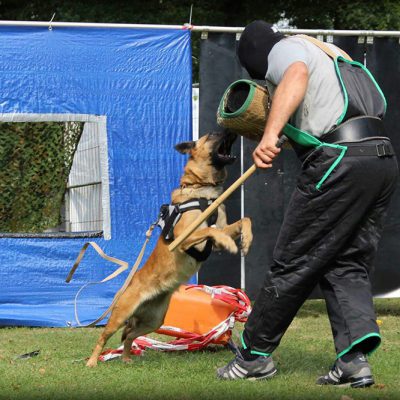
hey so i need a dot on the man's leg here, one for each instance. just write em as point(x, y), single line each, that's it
point(317, 226)
point(347, 291)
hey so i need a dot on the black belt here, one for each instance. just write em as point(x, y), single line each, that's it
point(383, 149)
point(358, 129)
point(355, 130)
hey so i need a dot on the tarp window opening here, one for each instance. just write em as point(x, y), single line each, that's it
point(53, 176)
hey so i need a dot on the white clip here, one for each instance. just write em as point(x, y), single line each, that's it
point(361, 40)
point(50, 27)
point(204, 35)
point(320, 37)
point(329, 39)
point(370, 39)
point(238, 34)
point(191, 13)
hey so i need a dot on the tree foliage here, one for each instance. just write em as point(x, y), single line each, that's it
point(346, 14)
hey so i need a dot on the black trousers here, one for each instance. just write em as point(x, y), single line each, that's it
point(328, 236)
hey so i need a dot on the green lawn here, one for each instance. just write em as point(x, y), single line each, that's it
point(306, 351)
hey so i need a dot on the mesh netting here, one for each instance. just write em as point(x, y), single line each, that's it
point(35, 161)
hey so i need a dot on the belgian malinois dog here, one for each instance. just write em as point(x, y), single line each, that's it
point(144, 303)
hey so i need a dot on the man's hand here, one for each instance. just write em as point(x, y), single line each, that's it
point(266, 151)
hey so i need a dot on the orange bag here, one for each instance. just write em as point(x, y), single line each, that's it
point(194, 311)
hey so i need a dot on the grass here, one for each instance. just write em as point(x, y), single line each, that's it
point(306, 351)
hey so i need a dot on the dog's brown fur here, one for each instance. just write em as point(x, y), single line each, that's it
point(145, 301)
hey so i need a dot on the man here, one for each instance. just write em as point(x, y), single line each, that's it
point(333, 223)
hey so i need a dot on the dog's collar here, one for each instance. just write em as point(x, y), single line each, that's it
point(193, 192)
point(200, 185)
point(195, 186)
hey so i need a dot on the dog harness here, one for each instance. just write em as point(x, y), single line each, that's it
point(170, 214)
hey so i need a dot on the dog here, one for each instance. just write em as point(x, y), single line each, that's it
point(144, 303)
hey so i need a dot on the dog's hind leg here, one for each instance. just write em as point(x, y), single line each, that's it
point(108, 331)
point(149, 316)
point(138, 330)
point(123, 310)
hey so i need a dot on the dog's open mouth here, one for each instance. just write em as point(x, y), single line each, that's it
point(222, 154)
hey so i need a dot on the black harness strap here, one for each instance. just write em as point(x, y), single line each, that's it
point(170, 214)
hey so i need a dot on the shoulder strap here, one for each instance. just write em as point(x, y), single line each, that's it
point(326, 49)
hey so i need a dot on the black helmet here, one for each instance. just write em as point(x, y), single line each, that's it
point(255, 43)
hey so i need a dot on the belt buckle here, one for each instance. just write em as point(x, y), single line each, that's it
point(380, 150)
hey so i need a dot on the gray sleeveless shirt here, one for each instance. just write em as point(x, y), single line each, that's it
point(323, 102)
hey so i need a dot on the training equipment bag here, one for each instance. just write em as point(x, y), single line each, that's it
point(197, 316)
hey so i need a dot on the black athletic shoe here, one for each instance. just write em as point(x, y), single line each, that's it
point(261, 368)
point(355, 373)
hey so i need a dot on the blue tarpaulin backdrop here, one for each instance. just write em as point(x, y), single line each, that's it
point(140, 80)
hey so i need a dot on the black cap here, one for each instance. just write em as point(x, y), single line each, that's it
point(255, 43)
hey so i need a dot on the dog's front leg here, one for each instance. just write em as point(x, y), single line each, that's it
point(241, 228)
point(218, 236)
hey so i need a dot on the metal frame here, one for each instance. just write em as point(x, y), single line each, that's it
point(201, 28)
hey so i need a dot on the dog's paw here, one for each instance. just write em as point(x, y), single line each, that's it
point(126, 360)
point(246, 236)
point(91, 363)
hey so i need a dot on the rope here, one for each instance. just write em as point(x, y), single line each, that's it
point(123, 267)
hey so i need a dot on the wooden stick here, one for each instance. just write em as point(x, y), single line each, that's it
point(214, 205)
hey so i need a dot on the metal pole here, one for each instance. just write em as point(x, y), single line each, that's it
point(194, 28)
point(242, 257)
point(54, 25)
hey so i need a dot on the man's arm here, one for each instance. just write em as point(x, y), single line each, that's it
point(287, 97)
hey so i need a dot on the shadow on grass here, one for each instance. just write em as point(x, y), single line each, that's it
point(389, 307)
point(383, 307)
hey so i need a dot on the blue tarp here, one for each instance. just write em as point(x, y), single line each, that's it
point(140, 80)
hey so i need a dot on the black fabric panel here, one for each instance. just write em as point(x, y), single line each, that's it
point(383, 60)
point(351, 46)
point(268, 192)
point(218, 69)
point(363, 96)
point(264, 204)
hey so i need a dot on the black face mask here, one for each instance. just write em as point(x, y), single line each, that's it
point(255, 43)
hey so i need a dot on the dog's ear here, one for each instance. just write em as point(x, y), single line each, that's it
point(185, 147)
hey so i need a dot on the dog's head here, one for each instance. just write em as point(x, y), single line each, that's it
point(208, 157)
